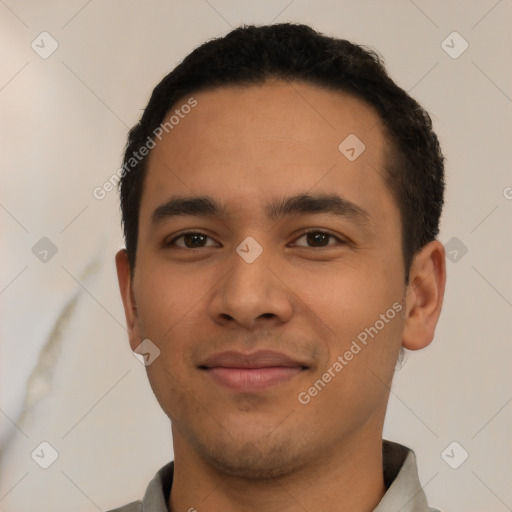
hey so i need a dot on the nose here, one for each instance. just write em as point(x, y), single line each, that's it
point(251, 295)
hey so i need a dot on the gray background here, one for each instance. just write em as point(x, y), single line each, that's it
point(68, 376)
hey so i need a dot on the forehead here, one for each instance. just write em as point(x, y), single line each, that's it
point(276, 138)
point(284, 112)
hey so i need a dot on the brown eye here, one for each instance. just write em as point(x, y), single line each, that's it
point(318, 239)
point(192, 240)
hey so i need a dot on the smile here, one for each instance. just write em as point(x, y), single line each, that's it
point(253, 379)
point(251, 372)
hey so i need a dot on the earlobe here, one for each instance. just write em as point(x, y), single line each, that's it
point(424, 296)
point(126, 289)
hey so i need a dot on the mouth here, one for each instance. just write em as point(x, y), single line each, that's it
point(258, 371)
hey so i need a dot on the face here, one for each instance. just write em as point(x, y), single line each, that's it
point(276, 300)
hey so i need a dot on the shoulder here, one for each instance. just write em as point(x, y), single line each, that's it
point(134, 506)
point(156, 495)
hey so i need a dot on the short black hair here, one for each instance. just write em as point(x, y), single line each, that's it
point(294, 52)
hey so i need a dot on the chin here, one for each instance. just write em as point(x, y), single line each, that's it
point(253, 460)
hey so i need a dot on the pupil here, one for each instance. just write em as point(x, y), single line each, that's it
point(318, 239)
point(194, 240)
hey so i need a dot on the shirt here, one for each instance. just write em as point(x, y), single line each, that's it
point(403, 489)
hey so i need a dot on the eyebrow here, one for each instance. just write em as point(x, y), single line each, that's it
point(277, 208)
point(202, 206)
point(304, 204)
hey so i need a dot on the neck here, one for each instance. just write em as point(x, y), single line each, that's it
point(350, 477)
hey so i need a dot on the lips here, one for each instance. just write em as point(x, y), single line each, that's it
point(252, 372)
point(259, 359)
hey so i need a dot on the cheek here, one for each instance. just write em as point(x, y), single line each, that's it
point(172, 314)
point(363, 312)
point(348, 298)
point(169, 305)
point(365, 319)
point(173, 389)
point(165, 297)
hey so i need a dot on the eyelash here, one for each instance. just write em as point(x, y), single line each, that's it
point(172, 242)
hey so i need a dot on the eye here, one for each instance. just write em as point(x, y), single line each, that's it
point(318, 238)
point(192, 240)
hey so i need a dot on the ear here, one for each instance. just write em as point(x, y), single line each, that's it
point(130, 307)
point(424, 296)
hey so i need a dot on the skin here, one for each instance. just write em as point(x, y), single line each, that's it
point(245, 146)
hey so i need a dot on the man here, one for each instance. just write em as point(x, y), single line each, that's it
point(281, 200)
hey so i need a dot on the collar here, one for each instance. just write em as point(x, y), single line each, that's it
point(404, 492)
